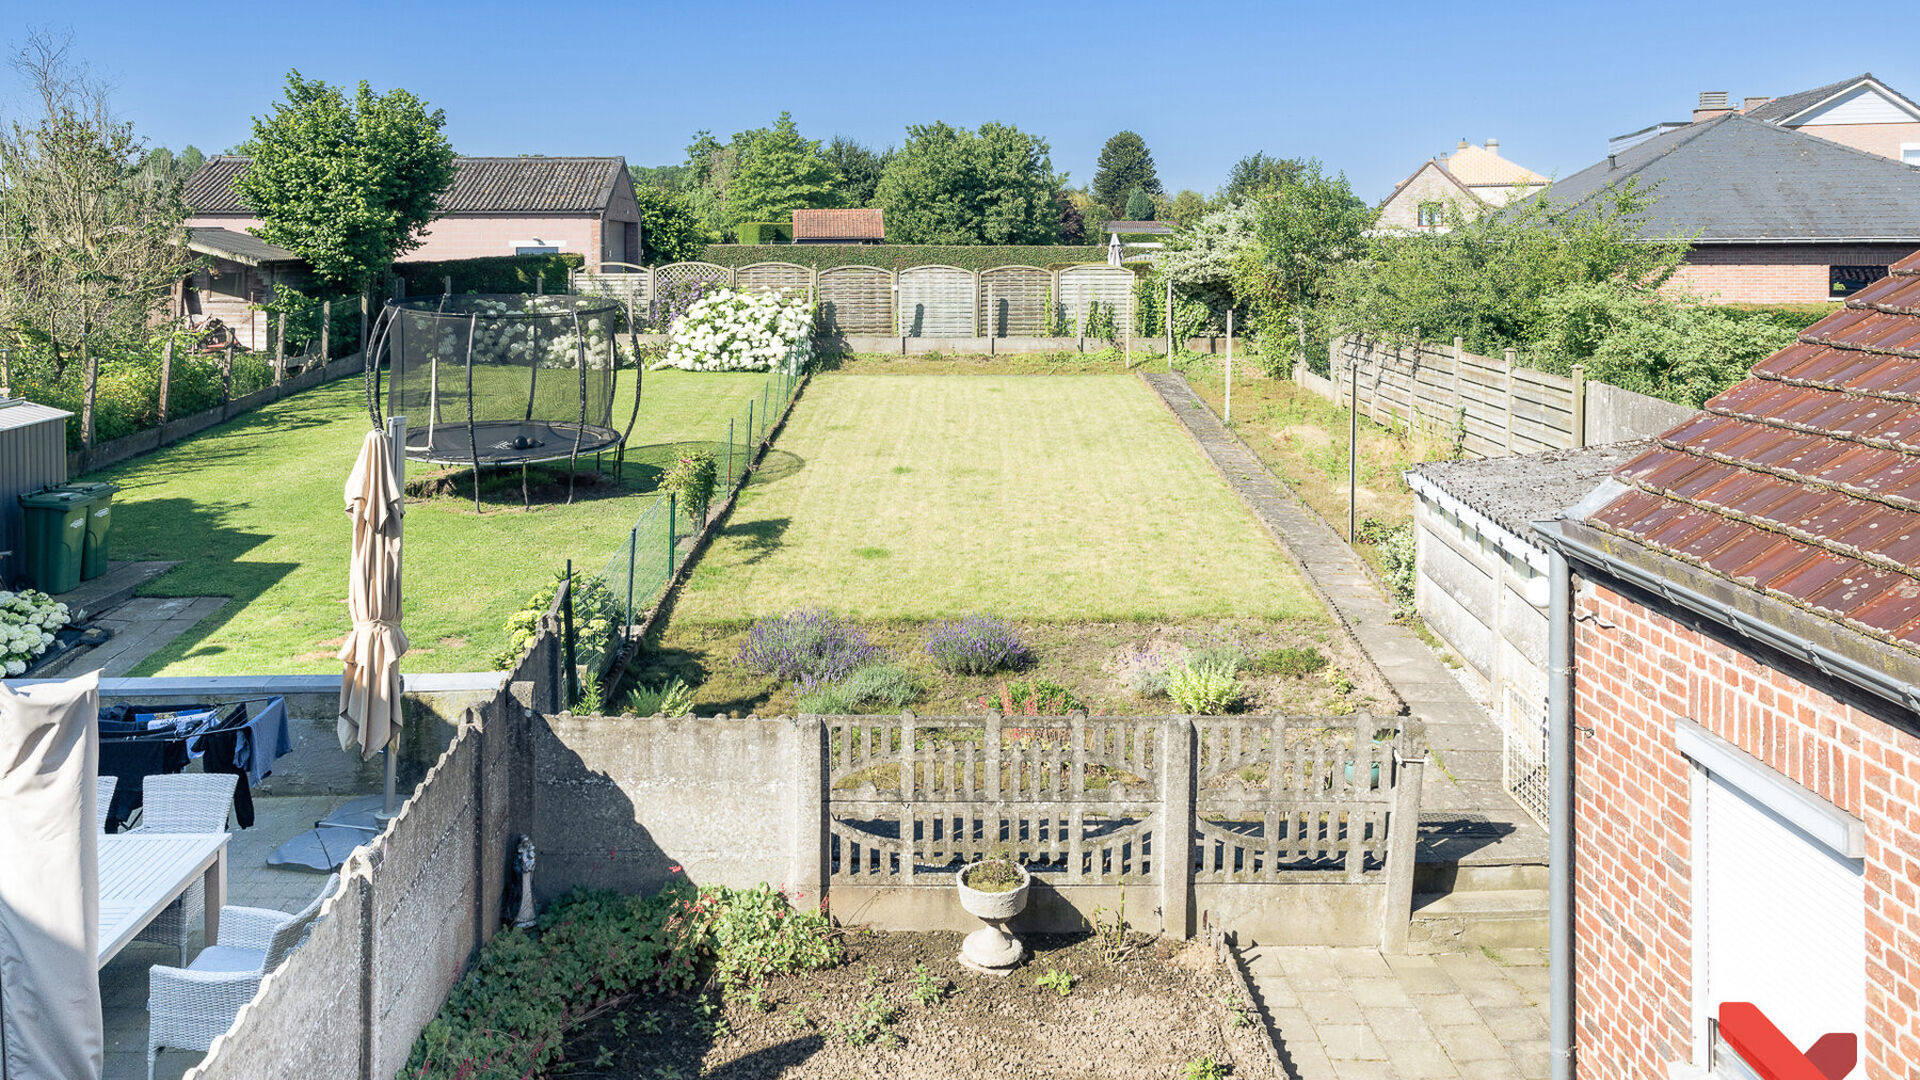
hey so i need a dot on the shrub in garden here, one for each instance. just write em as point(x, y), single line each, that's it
point(692, 478)
point(1145, 672)
point(1292, 662)
point(809, 643)
point(595, 614)
point(671, 698)
point(735, 331)
point(873, 688)
point(1396, 547)
point(1205, 685)
point(27, 622)
point(1032, 697)
point(977, 645)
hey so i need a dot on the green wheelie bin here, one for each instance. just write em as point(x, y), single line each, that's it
point(99, 542)
point(56, 538)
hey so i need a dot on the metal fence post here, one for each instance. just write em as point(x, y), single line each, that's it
point(747, 448)
point(566, 638)
point(730, 476)
point(633, 553)
point(672, 541)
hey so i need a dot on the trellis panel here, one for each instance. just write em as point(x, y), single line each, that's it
point(937, 301)
point(856, 300)
point(1013, 301)
point(673, 275)
point(1110, 285)
point(780, 277)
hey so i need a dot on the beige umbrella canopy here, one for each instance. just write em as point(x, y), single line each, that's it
point(370, 686)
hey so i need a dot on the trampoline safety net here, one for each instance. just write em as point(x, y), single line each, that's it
point(504, 380)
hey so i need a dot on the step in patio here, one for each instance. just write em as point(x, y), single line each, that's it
point(1474, 918)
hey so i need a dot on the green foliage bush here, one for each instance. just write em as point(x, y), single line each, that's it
point(671, 698)
point(903, 256)
point(765, 232)
point(127, 396)
point(1205, 685)
point(508, 1016)
point(873, 688)
point(1396, 546)
point(1293, 662)
point(1033, 697)
point(692, 478)
point(596, 613)
point(490, 274)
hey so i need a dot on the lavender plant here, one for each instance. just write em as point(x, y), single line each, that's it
point(977, 645)
point(812, 643)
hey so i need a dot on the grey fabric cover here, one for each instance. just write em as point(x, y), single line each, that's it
point(50, 1026)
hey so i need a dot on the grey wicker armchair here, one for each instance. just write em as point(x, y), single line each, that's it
point(103, 800)
point(189, 1007)
point(183, 803)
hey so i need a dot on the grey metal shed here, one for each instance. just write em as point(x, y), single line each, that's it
point(33, 454)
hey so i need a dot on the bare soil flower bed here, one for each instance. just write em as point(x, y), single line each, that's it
point(901, 1007)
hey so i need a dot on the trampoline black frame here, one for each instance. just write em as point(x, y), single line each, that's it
point(604, 438)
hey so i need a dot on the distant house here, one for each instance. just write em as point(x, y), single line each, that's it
point(839, 227)
point(1861, 112)
point(238, 272)
point(1778, 216)
point(496, 206)
point(1742, 652)
point(1473, 178)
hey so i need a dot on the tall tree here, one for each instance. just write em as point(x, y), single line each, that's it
point(346, 183)
point(949, 185)
point(1124, 164)
point(1187, 207)
point(669, 229)
point(90, 241)
point(859, 167)
point(1304, 230)
point(780, 172)
point(1259, 172)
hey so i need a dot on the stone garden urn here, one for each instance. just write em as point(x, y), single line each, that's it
point(993, 949)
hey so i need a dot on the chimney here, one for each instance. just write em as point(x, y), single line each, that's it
point(1753, 103)
point(1712, 103)
point(1493, 147)
point(1463, 145)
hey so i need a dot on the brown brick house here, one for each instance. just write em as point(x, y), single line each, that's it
point(1472, 178)
point(1743, 639)
point(496, 206)
point(1777, 215)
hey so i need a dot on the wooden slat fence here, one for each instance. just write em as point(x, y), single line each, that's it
point(856, 300)
point(1013, 301)
point(1110, 285)
point(938, 301)
point(790, 278)
point(1486, 406)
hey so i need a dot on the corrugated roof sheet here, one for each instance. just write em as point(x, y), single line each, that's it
point(19, 412)
point(1734, 178)
point(481, 185)
point(839, 225)
point(1803, 482)
point(238, 246)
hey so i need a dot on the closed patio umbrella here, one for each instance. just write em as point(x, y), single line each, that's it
point(370, 685)
point(50, 1026)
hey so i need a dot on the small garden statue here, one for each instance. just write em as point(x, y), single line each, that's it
point(523, 862)
point(994, 890)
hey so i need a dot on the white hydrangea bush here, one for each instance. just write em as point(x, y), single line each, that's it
point(742, 331)
point(27, 622)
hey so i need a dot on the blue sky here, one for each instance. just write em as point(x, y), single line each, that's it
point(1370, 89)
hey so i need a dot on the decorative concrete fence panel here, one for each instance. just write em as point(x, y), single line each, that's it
point(937, 301)
point(1013, 301)
point(1110, 286)
point(789, 278)
point(856, 301)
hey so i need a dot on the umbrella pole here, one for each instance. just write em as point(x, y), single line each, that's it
point(397, 432)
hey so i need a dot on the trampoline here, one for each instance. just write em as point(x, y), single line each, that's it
point(498, 381)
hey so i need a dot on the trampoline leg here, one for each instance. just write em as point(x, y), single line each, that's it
point(476, 488)
point(526, 500)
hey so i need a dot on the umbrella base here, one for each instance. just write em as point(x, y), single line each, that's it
point(333, 838)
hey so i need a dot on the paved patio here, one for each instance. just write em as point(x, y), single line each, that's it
point(1354, 1014)
point(250, 883)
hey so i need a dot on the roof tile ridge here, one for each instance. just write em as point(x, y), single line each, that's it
point(1790, 477)
point(1809, 384)
point(1877, 443)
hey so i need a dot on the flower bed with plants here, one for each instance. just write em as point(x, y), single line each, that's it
point(726, 330)
point(27, 623)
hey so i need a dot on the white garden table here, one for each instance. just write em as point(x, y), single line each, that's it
point(140, 874)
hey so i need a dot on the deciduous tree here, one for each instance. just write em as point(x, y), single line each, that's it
point(346, 182)
point(1259, 172)
point(950, 185)
point(669, 229)
point(859, 167)
point(780, 172)
point(1304, 228)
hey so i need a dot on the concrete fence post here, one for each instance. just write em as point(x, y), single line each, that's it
point(1506, 420)
point(166, 382)
point(1403, 828)
point(1579, 406)
point(280, 350)
point(811, 817)
point(326, 332)
point(1176, 810)
point(92, 375)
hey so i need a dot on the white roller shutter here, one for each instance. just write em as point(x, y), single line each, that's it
point(1784, 919)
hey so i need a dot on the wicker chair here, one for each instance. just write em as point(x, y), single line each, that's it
point(103, 800)
point(189, 1007)
point(183, 803)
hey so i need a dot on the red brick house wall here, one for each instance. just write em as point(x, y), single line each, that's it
point(1775, 273)
point(1636, 670)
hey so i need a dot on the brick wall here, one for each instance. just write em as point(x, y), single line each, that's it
point(1402, 209)
point(1632, 868)
point(1882, 139)
point(1775, 273)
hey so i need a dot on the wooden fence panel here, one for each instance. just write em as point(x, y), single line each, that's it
point(857, 301)
point(789, 278)
point(1013, 301)
point(937, 301)
point(630, 284)
point(1108, 285)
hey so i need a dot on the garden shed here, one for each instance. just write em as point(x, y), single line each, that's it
point(33, 454)
point(1481, 581)
point(240, 271)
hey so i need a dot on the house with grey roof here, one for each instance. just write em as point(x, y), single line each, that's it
point(1861, 112)
point(1776, 215)
point(496, 206)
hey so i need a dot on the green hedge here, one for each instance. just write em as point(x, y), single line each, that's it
point(494, 274)
point(766, 232)
point(1794, 317)
point(902, 256)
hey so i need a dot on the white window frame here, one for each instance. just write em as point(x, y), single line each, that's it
point(1910, 154)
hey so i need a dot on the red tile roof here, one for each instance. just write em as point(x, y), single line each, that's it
point(1803, 482)
point(839, 225)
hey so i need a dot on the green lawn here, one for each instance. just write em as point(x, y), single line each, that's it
point(1057, 499)
point(254, 510)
